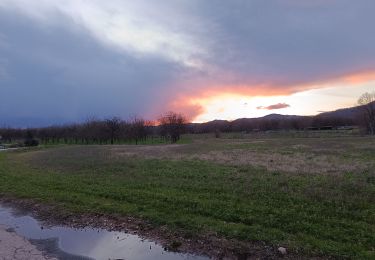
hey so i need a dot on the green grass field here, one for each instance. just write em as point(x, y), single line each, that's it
point(316, 196)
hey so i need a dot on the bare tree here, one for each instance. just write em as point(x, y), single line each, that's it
point(172, 125)
point(367, 102)
point(113, 125)
point(137, 129)
point(29, 138)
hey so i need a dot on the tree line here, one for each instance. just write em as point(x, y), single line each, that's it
point(115, 130)
point(170, 126)
point(367, 115)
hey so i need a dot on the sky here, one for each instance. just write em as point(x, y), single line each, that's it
point(69, 60)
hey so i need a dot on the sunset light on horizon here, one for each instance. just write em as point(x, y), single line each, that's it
point(319, 98)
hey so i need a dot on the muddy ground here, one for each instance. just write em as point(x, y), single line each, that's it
point(207, 245)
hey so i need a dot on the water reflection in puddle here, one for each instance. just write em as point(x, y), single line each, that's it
point(93, 243)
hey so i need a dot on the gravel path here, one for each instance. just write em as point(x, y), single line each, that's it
point(15, 247)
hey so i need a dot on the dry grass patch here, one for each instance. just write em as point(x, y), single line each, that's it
point(295, 163)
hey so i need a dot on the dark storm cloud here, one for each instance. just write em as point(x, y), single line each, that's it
point(62, 74)
point(66, 60)
point(289, 42)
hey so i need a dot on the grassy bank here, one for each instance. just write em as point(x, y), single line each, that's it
point(210, 186)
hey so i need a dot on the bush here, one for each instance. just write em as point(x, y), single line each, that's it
point(31, 142)
point(16, 145)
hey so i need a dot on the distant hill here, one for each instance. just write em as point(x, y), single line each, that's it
point(351, 112)
point(340, 117)
point(280, 116)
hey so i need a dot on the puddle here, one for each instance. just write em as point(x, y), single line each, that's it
point(69, 243)
point(7, 149)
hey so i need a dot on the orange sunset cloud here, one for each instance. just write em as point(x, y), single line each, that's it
point(230, 102)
